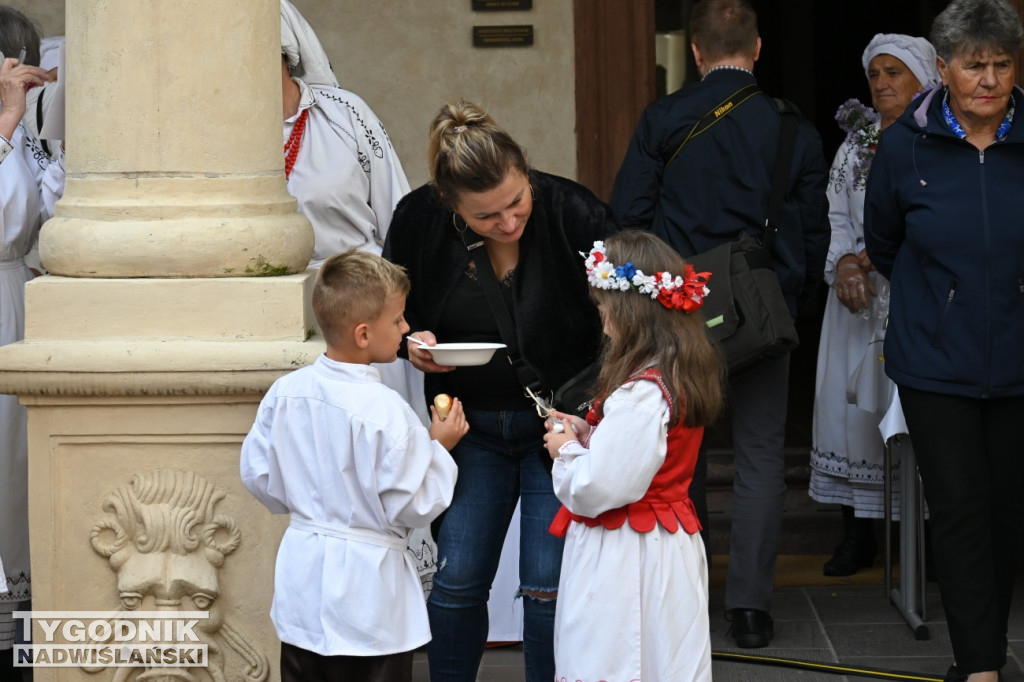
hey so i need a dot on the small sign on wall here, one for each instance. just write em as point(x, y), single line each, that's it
point(503, 36)
point(502, 5)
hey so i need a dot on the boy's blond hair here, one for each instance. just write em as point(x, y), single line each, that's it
point(353, 287)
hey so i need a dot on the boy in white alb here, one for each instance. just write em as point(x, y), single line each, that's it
point(354, 466)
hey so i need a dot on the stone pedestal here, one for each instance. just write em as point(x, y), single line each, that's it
point(148, 347)
point(139, 394)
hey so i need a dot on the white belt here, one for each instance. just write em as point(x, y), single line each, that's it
point(369, 537)
point(14, 263)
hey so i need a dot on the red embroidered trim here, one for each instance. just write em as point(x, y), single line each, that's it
point(291, 147)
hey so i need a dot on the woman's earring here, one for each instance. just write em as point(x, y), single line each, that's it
point(455, 223)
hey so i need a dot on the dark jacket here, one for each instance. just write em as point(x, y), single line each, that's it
point(558, 327)
point(942, 220)
point(720, 183)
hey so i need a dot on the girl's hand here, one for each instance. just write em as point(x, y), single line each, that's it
point(579, 426)
point(553, 441)
point(450, 430)
point(575, 429)
point(421, 358)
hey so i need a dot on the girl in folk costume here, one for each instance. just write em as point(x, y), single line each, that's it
point(623, 475)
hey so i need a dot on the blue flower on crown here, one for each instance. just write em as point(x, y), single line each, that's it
point(625, 271)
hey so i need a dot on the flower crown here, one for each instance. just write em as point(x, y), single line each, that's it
point(684, 292)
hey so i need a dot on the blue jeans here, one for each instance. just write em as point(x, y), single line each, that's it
point(501, 460)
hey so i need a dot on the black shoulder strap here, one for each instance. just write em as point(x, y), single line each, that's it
point(506, 324)
point(790, 120)
point(716, 114)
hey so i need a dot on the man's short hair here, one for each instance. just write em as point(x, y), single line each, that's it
point(723, 28)
point(354, 287)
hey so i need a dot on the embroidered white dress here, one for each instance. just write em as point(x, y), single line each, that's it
point(347, 180)
point(30, 184)
point(847, 456)
point(355, 468)
point(631, 606)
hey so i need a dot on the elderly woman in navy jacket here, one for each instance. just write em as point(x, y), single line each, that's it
point(943, 222)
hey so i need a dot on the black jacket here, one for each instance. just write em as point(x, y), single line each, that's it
point(558, 327)
point(720, 183)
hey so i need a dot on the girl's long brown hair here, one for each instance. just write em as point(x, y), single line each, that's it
point(647, 333)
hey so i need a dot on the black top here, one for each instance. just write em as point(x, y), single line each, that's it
point(467, 318)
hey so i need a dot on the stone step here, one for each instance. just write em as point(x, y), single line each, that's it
point(721, 469)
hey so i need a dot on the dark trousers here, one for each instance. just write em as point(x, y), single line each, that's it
point(300, 665)
point(970, 453)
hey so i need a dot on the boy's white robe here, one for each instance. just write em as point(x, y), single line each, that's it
point(333, 446)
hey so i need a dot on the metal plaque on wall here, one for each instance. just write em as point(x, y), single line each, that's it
point(503, 36)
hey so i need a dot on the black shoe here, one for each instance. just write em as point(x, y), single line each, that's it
point(751, 628)
point(857, 549)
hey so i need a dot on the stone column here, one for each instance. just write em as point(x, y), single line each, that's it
point(174, 138)
point(177, 293)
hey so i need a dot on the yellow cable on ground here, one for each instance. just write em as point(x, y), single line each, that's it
point(836, 668)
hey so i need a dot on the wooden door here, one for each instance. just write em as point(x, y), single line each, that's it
point(615, 80)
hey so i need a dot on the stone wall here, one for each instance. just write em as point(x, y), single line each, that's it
point(406, 58)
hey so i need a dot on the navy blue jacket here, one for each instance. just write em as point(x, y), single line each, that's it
point(943, 221)
point(720, 183)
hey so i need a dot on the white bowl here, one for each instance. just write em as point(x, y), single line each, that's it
point(462, 354)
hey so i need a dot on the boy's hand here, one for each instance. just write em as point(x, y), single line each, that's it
point(449, 431)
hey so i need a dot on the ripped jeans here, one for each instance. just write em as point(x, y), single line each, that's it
point(501, 460)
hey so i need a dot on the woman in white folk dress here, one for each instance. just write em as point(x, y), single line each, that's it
point(30, 184)
point(846, 460)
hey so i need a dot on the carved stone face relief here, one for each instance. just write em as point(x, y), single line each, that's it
point(166, 542)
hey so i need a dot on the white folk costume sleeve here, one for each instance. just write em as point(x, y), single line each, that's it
point(416, 480)
point(388, 183)
point(5, 148)
point(30, 185)
point(624, 453)
point(260, 470)
point(845, 211)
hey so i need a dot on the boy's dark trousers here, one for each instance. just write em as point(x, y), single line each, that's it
point(300, 665)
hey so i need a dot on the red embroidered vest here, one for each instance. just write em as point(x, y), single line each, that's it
point(667, 500)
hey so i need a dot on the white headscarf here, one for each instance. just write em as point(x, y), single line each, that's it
point(49, 49)
point(306, 57)
point(916, 53)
